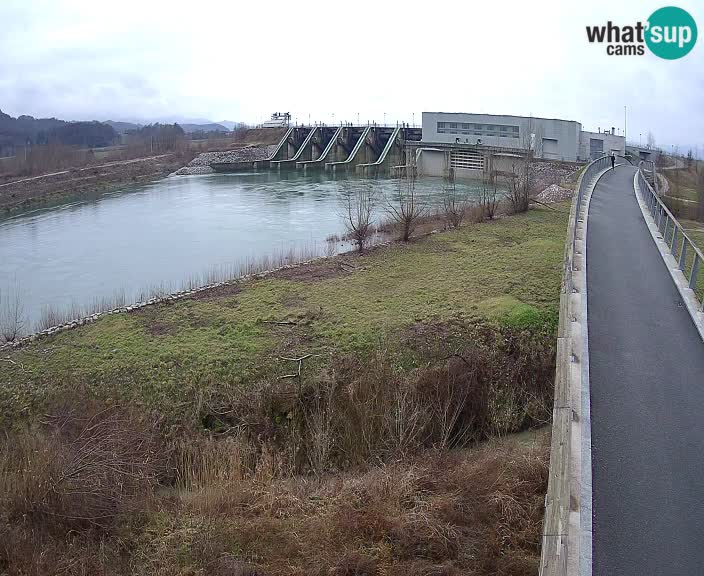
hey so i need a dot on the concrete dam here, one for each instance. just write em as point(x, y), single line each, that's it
point(369, 150)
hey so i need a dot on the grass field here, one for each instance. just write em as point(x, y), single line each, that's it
point(506, 272)
point(184, 439)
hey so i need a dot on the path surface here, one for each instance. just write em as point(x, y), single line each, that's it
point(646, 363)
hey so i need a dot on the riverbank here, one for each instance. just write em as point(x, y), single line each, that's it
point(29, 192)
point(324, 418)
point(195, 158)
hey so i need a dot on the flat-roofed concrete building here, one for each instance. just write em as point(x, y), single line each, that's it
point(595, 144)
point(473, 144)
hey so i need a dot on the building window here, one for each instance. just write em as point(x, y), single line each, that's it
point(480, 130)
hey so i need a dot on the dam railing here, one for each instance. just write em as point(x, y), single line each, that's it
point(689, 257)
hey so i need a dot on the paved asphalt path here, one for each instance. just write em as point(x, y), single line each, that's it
point(646, 363)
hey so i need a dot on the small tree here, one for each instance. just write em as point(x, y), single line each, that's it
point(489, 199)
point(12, 319)
point(358, 202)
point(517, 183)
point(519, 180)
point(454, 205)
point(404, 206)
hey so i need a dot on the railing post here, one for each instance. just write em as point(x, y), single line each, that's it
point(666, 230)
point(683, 254)
point(673, 249)
point(695, 269)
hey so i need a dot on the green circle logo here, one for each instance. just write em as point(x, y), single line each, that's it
point(670, 33)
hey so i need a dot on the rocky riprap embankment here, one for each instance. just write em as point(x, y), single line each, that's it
point(544, 173)
point(554, 193)
point(201, 163)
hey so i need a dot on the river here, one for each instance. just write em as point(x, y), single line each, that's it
point(85, 253)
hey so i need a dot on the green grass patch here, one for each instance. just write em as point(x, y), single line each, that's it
point(507, 272)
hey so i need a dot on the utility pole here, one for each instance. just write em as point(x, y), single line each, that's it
point(624, 123)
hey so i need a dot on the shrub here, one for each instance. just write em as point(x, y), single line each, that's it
point(80, 470)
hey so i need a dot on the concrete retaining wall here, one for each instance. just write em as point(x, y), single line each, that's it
point(567, 528)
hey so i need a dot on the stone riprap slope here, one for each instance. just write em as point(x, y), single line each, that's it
point(543, 173)
point(555, 193)
point(201, 163)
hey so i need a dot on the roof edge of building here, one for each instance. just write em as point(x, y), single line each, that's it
point(504, 116)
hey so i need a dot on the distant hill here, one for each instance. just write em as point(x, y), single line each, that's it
point(230, 125)
point(189, 125)
point(29, 131)
point(188, 128)
point(122, 127)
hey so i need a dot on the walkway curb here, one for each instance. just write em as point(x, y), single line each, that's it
point(567, 528)
point(585, 528)
point(688, 296)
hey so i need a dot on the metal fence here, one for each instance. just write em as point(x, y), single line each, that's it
point(688, 256)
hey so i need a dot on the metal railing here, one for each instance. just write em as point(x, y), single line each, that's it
point(689, 257)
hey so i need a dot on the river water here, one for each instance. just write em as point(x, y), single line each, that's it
point(112, 247)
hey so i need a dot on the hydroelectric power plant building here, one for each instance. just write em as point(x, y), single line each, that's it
point(472, 145)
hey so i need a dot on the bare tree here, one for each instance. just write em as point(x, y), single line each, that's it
point(650, 140)
point(489, 197)
point(454, 205)
point(518, 186)
point(358, 201)
point(404, 206)
point(519, 180)
point(12, 320)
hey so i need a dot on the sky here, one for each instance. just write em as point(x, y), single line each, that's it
point(334, 61)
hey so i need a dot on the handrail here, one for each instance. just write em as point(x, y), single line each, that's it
point(673, 234)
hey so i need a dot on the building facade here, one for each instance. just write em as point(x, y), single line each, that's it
point(548, 138)
point(473, 144)
point(595, 144)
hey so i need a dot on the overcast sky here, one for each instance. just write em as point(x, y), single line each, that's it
point(241, 61)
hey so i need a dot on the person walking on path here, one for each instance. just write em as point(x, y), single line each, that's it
point(613, 161)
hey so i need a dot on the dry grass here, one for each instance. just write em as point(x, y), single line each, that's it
point(438, 512)
point(364, 468)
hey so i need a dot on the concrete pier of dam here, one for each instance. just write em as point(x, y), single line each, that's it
point(369, 150)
